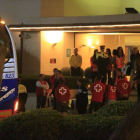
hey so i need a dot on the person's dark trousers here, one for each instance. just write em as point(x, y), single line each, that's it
point(114, 75)
point(22, 102)
point(93, 75)
point(95, 105)
point(122, 99)
point(138, 90)
point(62, 107)
point(54, 103)
point(43, 102)
point(75, 72)
point(82, 110)
point(102, 72)
point(109, 74)
point(39, 101)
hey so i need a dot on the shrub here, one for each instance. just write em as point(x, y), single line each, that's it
point(88, 127)
point(40, 124)
point(65, 71)
point(119, 108)
point(88, 73)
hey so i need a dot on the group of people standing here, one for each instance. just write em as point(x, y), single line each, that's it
point(108, 82)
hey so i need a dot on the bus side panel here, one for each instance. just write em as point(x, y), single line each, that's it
point(9, 94)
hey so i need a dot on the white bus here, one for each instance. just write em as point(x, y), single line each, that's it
point(9, 87)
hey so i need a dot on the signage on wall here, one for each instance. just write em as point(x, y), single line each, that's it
point(53, 60)
point(68, 52)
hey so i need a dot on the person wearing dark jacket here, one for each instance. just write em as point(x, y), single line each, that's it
point(134, 56)
point(56, 84)
point(81, 97)
point(136, 79)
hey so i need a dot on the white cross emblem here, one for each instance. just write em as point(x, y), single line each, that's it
point(113, 89)
point(125, 85)
point(98, 88)
point(62, 91)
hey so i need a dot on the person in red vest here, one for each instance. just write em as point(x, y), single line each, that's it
point(123, 90)
point(93, 62)
point(97, 90)
point(41, 91)
point(53, 77)
point(111, 94)
point(120, 57)
point(119, 76)
point(62, 95)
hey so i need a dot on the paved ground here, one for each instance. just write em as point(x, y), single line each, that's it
point(31, 101)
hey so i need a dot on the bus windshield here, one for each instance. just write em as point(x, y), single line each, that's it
point(6, 42)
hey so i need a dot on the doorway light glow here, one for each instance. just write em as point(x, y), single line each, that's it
point(53, 36)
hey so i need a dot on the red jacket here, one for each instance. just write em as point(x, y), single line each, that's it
point(97, 90)
point(111, 92)
point(123, 88)
point(52, 79)
point(62, 93)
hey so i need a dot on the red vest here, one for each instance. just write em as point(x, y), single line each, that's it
point(93, 66)
point(119, 62)
point(111, 92)
point(39, 90)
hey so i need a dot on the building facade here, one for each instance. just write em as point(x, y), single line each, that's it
point(51, 29)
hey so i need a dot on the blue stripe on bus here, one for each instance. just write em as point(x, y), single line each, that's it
point(9, 93)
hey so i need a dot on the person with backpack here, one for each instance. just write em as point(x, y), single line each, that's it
point(81, 97)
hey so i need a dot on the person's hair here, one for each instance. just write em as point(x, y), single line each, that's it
point(111, 81)
point(119, 70)
point(55, 69)
point(80, 80)
point(94, 55)
point(137, 65)
point(40, 75)
point(99, 78)
point(59, 71)
point(114, 52)
point(61, 81)
point(109, 51)
point(118, 52)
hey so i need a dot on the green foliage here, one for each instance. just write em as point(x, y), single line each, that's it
point(88, 73)
point(119, 108)
point(40, 124)
point(65, 71)
point(88, 127)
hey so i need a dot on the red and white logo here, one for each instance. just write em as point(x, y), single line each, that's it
point(62, 91)
point(113, 89)
point(98, 88)
point(125, 86)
